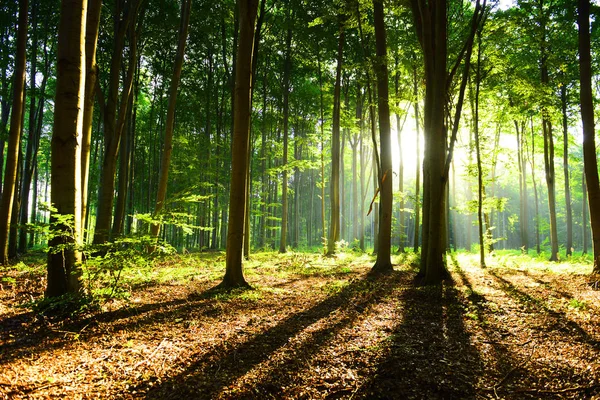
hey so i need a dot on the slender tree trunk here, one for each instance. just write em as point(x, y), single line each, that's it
point(31, 135)
point(401, 227)
point(334, 227)
point(64, 258)
point(535, 191)
point(286, 112)
point(480, 190)
point(587, 118)
point(322, 139)
point(14, 137)
point(91, 67)
point(168, 145)
point(569, 210)
point(384, 261)
point(584, 217)
point(113, 123)
point(241, 136)
point(418, 166)
point(523, 217)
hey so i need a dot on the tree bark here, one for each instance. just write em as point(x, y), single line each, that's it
point(286, 112)
point(168, 145)
point(113, 123)
point(241, 136)
point(334, 226)
point(384, 261)
point(569, 209)
point(587, 118)
point(64, 258)
point(14, 137)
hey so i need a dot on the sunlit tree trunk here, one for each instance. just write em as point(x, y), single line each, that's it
point(32, 134)
point(587, 118)
point(14, 136)
point(401, 229)
point(521, 159)
point(535, 191)
point(286, 113)
point(63, 264)
point(334, 226)
point(418, 165)
point(569, 210)
point(384, 261)
point(91, 68)
point(239, 152)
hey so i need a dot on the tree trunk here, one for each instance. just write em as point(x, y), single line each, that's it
point(587, 118)
point(569, 210)
point(64, 258)
point(32, 135)
point(535, 191)
point(384, 261)
point(418, 166)
point(401, 228)
point(168, 146)
point(91, 67)
point(334, 226)
point(113, 123)
point(241, 134)
point(14, 137)
point(286, 112)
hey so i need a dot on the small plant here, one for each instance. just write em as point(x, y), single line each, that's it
point(578, 305)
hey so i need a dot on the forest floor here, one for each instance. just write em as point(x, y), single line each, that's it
point(311, 328)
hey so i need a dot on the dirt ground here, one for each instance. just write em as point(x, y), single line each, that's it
point(314, 328)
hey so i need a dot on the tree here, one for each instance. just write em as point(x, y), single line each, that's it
point(14, 138)
point(234, 277)
point(64, 257)
point(168, 145)
point(334, 195)
point(384, 262)
point(587, 119)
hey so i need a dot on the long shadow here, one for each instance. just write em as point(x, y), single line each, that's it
point(561, 322)
point(430, 355)
point(219, 367)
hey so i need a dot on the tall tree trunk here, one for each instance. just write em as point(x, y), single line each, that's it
point(322, 140)
point(569, 210)
point(334, 226)
point(31, 135)
point(587, 118)
point(113, 123)
point(401, 228)
point(480, 189)
point(384, 261)
point(168, 145)
point(535, 191)
point(91, 68)
point(521, 159)
point(286, 112)
point(64, 258)
point(241, 136)
point(548, 143)
point(418, 165)
point(14, 137)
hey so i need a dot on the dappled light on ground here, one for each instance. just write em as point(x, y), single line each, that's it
point(312, 328)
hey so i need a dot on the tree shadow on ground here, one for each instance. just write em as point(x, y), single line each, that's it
point(438, 362)
point(213, 370)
